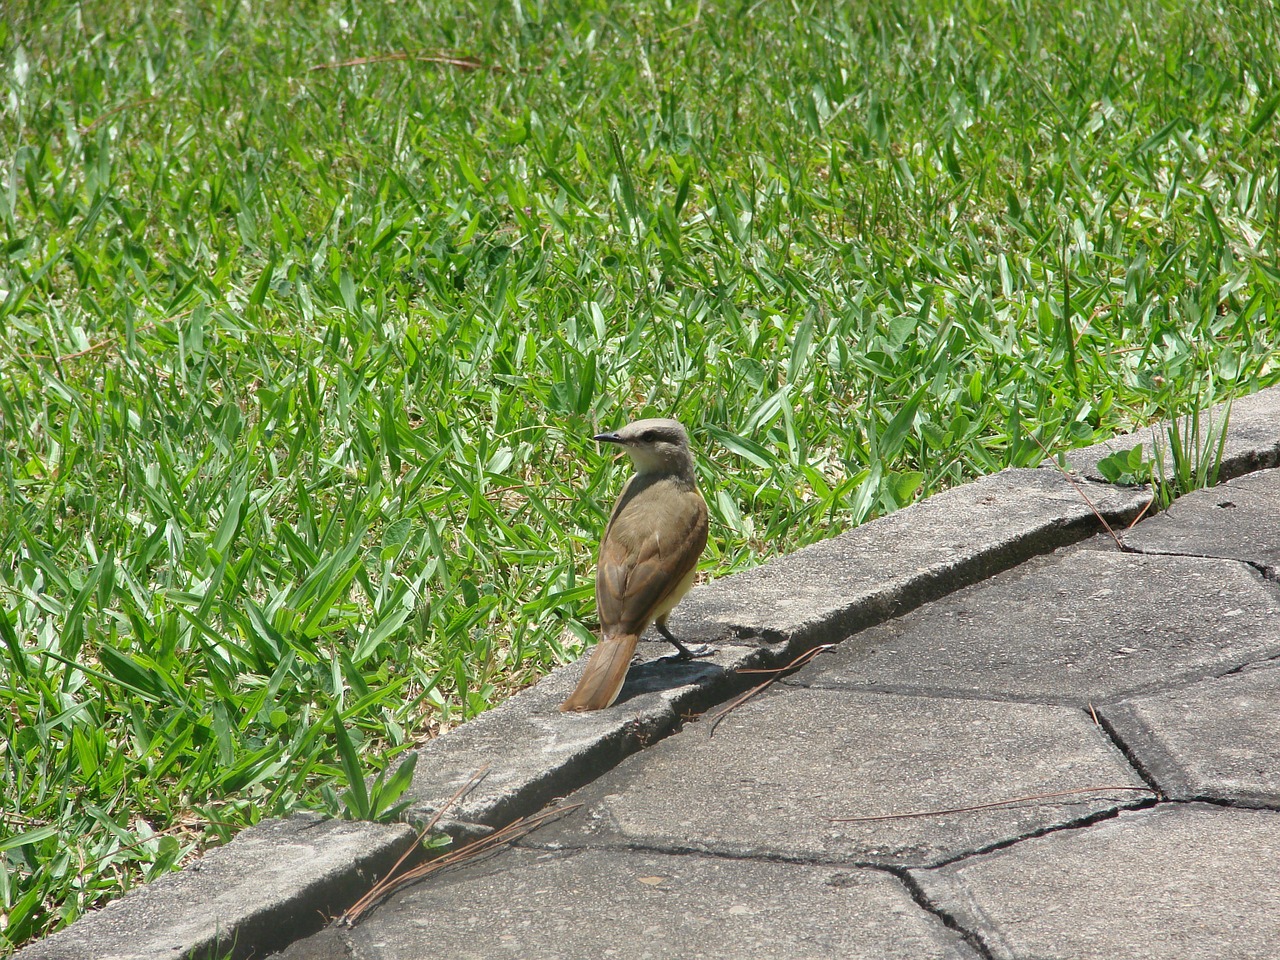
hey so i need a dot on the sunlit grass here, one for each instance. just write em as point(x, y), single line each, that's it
point(300, 359)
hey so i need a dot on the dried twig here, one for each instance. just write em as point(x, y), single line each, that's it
point(18, 820)
point(103, 117)
point(519, 488)
point(984, 806)
point(1084, 496)
point(63, 358)
point(777, 672)
point(461, 63)
point(93, 347)
point(499, 838)
point(1142, 513)
point(169, 831)
point(387, 883)
point(87, 350)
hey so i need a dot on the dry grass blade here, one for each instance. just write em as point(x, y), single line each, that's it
point(178, 829)
point(499, 838)
point(777, 672)
point(388, 883)
point(461, 63)
point(985, 806)
point(1085, 497)
point(102, 118)
point(1141, 513)
point(18, 821)
point(94, 347)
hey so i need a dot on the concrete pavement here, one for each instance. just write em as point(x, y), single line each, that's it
point(1146, 681)
point(1028, 742)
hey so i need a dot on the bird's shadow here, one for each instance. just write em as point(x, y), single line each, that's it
point(667, 673)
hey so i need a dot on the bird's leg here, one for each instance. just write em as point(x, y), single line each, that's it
point(686, 653)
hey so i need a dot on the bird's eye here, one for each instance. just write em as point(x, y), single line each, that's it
point(649, 436)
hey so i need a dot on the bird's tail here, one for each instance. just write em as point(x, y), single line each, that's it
point(605, 672)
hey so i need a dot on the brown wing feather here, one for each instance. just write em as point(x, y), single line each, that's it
point(654, 539)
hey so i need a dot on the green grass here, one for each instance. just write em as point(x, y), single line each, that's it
point(299, 361)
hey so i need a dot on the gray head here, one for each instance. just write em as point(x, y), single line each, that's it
point(659, 444)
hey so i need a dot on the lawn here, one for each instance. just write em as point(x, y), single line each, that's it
point(308, 312)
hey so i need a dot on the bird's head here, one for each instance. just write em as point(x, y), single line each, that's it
point(654, 445)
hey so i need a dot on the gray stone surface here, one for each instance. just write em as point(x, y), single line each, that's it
point(598, 904)
point(1074, 627)
point(825, 592)
point(533, 752)
point(761, 618)
point(1217, 739)
point(1253, 438)
point(273, 883)
point(777, 771)
point(1239, 520)
point(1176, 882)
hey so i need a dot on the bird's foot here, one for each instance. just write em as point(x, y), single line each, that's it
point(684, 654)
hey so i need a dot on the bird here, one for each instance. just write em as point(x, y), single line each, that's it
point(648, 554)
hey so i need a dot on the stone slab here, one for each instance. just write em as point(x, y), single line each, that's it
point(1253, 438)
point(764, 617)
point(1078, 626)
point(824, 592)
point(779, 769)
point(273, 883)
point(1216, 739)
point(598, 904)
point(530, 752)
point(1239, 520)
point(1169, 883)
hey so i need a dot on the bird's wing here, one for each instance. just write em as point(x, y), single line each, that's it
point(654, 539)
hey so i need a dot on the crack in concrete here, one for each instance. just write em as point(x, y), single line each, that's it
point(971, 937)
point(1130, 754)
point(1080, 824)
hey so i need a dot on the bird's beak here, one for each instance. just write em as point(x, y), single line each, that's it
point(608, 438)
